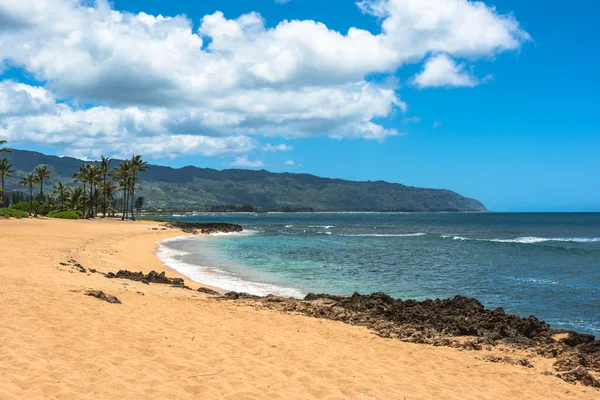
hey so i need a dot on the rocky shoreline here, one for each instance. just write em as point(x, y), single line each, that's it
point(459, 322)
point(206, 228)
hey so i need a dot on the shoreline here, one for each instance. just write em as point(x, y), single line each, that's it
point(445, 322)
point(165, 341)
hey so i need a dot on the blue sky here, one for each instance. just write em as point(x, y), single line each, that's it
point(514, 124)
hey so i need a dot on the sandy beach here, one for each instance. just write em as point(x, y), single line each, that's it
point(170, 343)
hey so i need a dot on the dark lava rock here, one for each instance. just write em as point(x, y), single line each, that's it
point(575, 339)
point(152, 277)
point(206, 227)
point(580, 374)
point(208, 291)
point(313, 296)
point(237, 296)
point(99, 294)
point(523, 362)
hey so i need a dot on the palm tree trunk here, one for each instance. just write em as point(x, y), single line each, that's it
point(132, 201)
point(30, 198)
point(105, 199)
point(124, 203)
point(91, 213)
point(41, 190)
point(84, 200)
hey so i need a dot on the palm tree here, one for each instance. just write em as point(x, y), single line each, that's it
point(137, 165)
point(108, 191)
point(80, 177)
point(95, 175)
point(105, 169)
point(42, 173)
point(60, 191)
point(6, 171)
point(76, 198)
point(4, 149)
point(30, 180)
point(123, 173)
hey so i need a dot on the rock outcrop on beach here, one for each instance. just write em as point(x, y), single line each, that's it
point(151, 277)
point(206, 228)
point(99, 294)
point(458, 322)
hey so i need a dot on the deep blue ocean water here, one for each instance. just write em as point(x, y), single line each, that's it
point(546, 265)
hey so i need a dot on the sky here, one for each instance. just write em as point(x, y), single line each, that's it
point(496, 100)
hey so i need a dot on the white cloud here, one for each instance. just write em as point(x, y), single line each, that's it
point(458, 27)
point(244, 162)
point(437, 123)
point(411, 120)
point(442, 71)
point(31, 115)
point(276, 148)
point(289, 163)
point(282, 1)
point(153, 77)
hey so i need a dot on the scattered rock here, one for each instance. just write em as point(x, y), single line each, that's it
point(208, 291)
point(74, 264)
point(99, 294)
point(523, 362)
point(241, 295)
point(581, 375)
point(152, 277)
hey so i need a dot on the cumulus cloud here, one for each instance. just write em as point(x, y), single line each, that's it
point(156, 83)
point(244, 162)
point(442, 71)
point(437, 123)
point(289, 163)
point(276, 148)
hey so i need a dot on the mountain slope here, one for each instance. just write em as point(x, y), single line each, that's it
point(192, 188)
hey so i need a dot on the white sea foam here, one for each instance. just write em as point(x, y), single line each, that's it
point(289, 226)
point(324, 233)
point(385, 234)
point(244, 232)
point(460, 238)
point(217, 277)
point(533, 239)
point(530, 239)
point(322, 226)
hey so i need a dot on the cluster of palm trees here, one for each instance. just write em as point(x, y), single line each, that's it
point(97, 193)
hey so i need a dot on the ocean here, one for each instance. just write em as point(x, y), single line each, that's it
point(542, 264)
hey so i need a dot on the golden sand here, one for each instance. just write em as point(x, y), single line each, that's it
point(169, 343)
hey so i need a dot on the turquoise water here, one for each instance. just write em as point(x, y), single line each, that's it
point(547, 265)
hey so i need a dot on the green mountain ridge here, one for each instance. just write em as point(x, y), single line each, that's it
point(192, 188)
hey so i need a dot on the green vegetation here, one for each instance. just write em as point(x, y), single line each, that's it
point(65, 214)
point(4, 149)
point(12, 213)
point(97, 193)
point(204, 189)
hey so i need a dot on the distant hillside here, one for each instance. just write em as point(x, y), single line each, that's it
point(192, 188)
